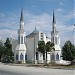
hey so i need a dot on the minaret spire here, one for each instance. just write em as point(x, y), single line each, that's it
point(21, 18)
point(54, 21)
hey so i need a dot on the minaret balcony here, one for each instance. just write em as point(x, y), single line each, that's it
point(21, 31)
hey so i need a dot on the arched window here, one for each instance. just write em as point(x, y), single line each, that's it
point(53, 56)
point(21, 56)
point(57, 56)
point(26, 57)
point(21, 39)
point(55, 40)
point(16, 56)
point(18, 39)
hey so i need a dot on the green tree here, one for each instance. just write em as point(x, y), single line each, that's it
point(44, 48)
point(8, 54)
point(49, 47)
point(68, 51)
point(41, 48)
point(2, 49)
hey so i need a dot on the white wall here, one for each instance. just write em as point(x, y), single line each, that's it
point(18, 52)
point(30, 49)
point(32, 45)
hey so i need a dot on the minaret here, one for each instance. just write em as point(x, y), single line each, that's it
point(21, 51)
point(56, 40)
point(21, 33)
point(54, 23)
point(21, 20)
point(54, 32)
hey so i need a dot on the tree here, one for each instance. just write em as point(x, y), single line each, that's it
point(44, 48)
point(8, 54)
point(49, 48)
point(68, 51)
point(2, 49)
point(41, 48)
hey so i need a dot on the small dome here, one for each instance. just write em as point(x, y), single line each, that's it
point(33, 34)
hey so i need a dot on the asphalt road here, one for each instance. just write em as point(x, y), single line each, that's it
point(23, 70)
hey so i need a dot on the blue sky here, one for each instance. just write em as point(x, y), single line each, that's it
point(39, 13)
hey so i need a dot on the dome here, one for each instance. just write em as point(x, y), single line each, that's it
point(35, 31)
point(33, 34)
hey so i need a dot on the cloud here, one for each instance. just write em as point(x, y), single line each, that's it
point(61, 3)
point(59, 9)
point(42, 22)
point(71, 15)
point(4, 33)
point(9, 26)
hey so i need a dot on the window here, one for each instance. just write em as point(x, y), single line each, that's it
point(16, 56)
point(56, 40)
point(53, 56)
point(44, 56)
point(36, 55)
point(26, 57)
point(21, 39)
point(57, 56)
point(18, 39)
point(41, 39)
point(41, 34)
point(24, 39)
point(60, 56)
point(21, 56)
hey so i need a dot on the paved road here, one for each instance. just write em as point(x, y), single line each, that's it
point(22, 70)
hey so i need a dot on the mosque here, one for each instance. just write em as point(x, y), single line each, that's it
point(25, 48)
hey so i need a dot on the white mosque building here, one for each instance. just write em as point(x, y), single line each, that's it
point(25, 48)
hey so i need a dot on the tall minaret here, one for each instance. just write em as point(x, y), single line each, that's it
point(54, 33)
point(56, 54)
point(21, 51)
point(21, 33)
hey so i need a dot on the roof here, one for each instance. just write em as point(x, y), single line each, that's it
point(33, 34)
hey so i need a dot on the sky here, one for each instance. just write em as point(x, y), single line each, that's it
point(37, 13)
